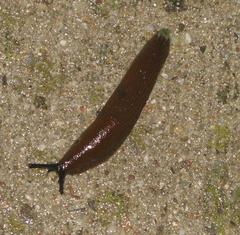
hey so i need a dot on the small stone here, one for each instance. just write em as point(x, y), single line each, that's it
point(41, 147)
point(150, 28)
point(28, 197)
point(112, 229)
point(153, 101)
point(98, 2)
point(203, 48)
point(27, 212)
point(131, 177)
point(181, 232)
point(4, 80)
point(164, 75)
point(160, 230)
point(85, 26)
point(188, 38)
point(92, 204)
point(40, 102)
point(63, 42)
point(181, 27)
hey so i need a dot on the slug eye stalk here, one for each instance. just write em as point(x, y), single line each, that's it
point(52, 167)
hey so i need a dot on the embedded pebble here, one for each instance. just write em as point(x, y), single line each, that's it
point(188, 38)
point(182, 232)
point(150, 28)
point(164, 75)
point(63, 42)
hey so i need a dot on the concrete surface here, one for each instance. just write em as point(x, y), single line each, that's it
point(179, 170)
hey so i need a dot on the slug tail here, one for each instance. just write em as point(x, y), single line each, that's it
point(52, 167)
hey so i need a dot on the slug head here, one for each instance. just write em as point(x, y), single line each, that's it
point(52, 167)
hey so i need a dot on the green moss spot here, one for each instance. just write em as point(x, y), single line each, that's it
point(9, 21)
point(115, 199)
point(42, 69)
point(164, 32)
point(216, 208)
point(96, 95)
point(39, 155)
point(16, 225)
point(219, 174)
point(19, 85)
point(236, 91)
point(7, 18)
point(235, 207)
point(52, 83)
point(221, 138)
point(11, 44)
point(110, 205)
point(222, 95)
point(106, 7)
point(236, 195)
point(137, 137)
point(221, 209)
point(40, 102)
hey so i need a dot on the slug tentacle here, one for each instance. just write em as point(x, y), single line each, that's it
point(61, 178)
point(52, 167)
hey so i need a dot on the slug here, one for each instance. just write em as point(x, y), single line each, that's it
point(119, 115)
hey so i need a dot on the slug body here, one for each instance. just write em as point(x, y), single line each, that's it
point(119, 115)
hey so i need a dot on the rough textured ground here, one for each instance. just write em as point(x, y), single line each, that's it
point(177, 173)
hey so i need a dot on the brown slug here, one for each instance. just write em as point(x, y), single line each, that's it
point(120, 113)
